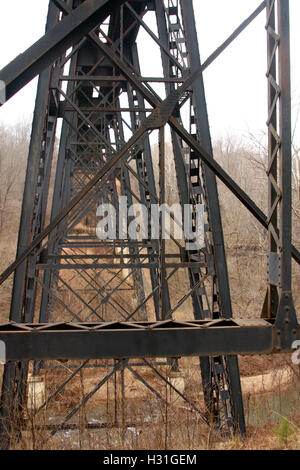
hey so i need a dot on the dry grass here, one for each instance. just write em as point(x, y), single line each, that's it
point(145, 422)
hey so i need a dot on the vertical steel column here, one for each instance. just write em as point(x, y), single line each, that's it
point(14, 376)
point(271, 301)
point(279, 174)
point(33, 165)
point(216, 372)
point(214, 214)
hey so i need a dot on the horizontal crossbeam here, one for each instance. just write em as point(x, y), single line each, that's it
point(131, 339)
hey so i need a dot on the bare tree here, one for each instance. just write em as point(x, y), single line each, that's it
point(13, 155)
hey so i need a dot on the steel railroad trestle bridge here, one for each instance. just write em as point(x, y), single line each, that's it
point(76, 297)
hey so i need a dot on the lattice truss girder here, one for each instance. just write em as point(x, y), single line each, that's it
point(109, 114)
